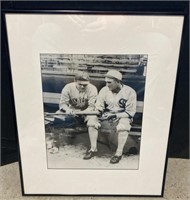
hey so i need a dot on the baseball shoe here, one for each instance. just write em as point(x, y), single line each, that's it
point(115, 159)
point(89, 154)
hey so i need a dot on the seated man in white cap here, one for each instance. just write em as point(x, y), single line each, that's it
point(79, 95)
point(120, 102)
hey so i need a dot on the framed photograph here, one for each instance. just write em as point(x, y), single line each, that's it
point(93, 95)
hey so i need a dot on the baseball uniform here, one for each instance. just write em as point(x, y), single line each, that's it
point(76, 100)
point(122, 103)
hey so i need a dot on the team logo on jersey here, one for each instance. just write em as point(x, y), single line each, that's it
point(79, 103)
point(122, 103)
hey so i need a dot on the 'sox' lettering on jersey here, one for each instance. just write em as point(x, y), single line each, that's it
point(122, 103)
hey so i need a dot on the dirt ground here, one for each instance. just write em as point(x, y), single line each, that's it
point(70, 156)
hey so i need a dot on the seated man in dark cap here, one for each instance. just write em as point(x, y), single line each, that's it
point(79, 95)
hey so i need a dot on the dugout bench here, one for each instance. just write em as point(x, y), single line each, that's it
point(108, 137)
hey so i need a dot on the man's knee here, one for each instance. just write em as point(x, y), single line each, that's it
point(123, 125)
point(92, 121)
point(93, 124)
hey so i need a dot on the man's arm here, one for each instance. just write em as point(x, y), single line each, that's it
point(64, 101)
point(130, 106)
point(100, 105)
point(92, 96)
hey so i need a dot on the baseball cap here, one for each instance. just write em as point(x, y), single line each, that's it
point(82, 76)
point(114, 74)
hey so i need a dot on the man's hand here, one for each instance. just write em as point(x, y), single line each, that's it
point(108, 116)
point(68, 111)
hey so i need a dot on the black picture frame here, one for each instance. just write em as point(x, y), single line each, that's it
point(164, 8)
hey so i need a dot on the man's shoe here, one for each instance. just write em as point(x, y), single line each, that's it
point(115, 159)
point(89, 155)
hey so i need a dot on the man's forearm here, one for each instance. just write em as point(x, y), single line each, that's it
point(63, 107)
point(124, 115)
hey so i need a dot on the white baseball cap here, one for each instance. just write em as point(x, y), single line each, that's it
point(114, 74)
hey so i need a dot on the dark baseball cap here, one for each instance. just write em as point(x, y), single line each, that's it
point(82, 76)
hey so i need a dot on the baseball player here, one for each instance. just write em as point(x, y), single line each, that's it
point(79, 95)
point(117, 103)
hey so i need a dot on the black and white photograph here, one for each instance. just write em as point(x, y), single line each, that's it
point(93, 109)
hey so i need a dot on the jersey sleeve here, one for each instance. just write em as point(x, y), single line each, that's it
point(130, 106)
point(92, 96)
point(100, 105)
point(64, 100)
